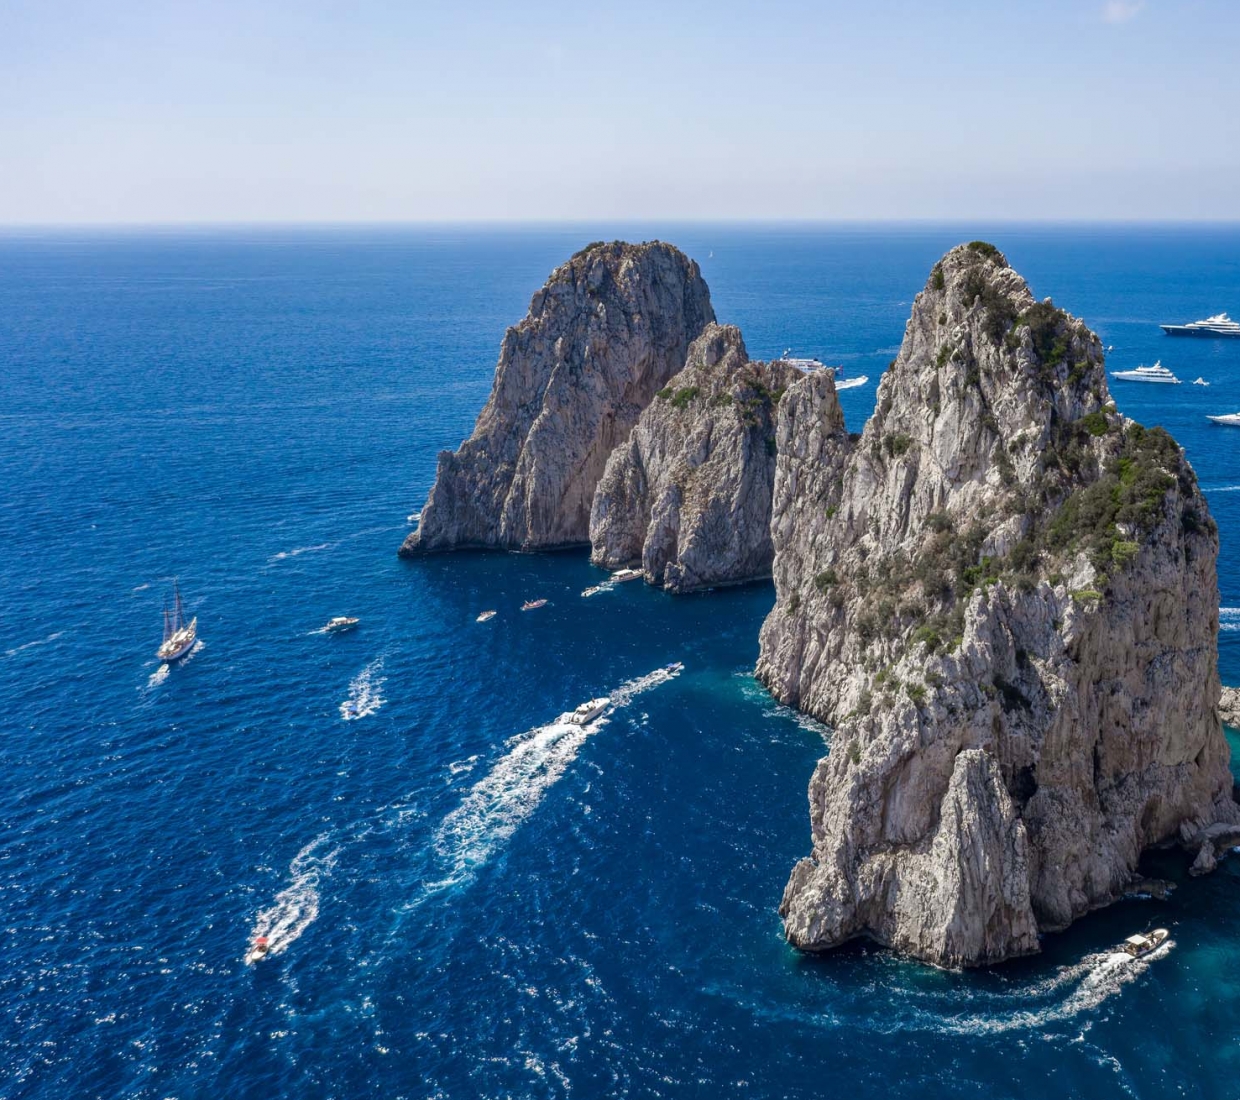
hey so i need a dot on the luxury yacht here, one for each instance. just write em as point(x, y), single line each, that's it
point(1232, 420)
point(1218, 325)
point(589, 710)
point(1156, 373)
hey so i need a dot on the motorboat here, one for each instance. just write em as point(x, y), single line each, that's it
point(595, 589)
point(1218, 325)
point(589, 710)
point(1156, 373)
point(414, 517)
point(533, 605)
point(1143, 944)
point(485, 617)
point(851, 383)
point(622, 575)
point(1200, 382)
point(675, 666)
point(340, 624)
point(259, 950)
point(179, 636)
point(1231, 420)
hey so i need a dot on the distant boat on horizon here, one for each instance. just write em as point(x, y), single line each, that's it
point(1218, 325)
point(179, 636)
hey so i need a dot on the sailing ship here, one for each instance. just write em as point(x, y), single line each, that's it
point(179, 636)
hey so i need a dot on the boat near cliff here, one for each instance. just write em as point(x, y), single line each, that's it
point(179, 636)
point(1220, 325)
point(1156, 373)
point(1137, 946)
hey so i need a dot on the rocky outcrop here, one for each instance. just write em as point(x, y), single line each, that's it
point(1229, 707)
point(606, 332)
point(688, 496)
point(1003, 596)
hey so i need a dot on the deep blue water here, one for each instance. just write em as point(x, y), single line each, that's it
point(471, 903)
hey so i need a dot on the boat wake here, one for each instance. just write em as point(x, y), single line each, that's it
point(365, 692)
point(510, 792)
point(32, 645)
point(159, 675)
point(1229, 618)
point(298, 551)
point(295, 907)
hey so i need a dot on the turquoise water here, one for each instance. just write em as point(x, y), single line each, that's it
point(467, 899)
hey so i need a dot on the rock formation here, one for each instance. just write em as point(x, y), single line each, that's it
point(1229, 707)
point(689, 494)
point(1003, 596)
point(606, 332)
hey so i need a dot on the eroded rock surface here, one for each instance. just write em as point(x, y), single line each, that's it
point(608, 330)
point(1004, 598)
point(688, 496)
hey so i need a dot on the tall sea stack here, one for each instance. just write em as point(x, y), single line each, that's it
point(607, 331)
point(1003, 596)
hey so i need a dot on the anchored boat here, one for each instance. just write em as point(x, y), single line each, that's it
point(179, 636)
point(1156, 373)
point(622, 575)
point(1218, 325)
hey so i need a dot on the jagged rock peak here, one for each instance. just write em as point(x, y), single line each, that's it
point(689, 494)
point(607, 330)
point(1003, 595)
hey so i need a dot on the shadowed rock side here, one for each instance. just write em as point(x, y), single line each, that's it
point(1004, 598)
point(608, 329)
point(689, 495)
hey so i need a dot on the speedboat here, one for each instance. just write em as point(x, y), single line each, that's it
point(851, 383)
point(622, 575)
point(533, 605)
point(340, 624)
point(485, 617)
point(1218, 325)
point(589, 710)
point(1231, 420)
point(595, 589)
point(1200, 382)
point(179, 636)
point(258, 951)
point(1156, 373)
point(1136, 946)
point(675, 666)
point(414, 517)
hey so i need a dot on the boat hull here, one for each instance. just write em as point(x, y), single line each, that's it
point(1200, 334)
point(1150, 381)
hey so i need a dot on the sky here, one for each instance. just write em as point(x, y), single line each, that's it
point(385, 111)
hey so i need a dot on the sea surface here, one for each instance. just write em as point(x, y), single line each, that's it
point(466, 898)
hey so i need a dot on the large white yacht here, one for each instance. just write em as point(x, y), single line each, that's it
point(1156, 373)
point(1218, 325)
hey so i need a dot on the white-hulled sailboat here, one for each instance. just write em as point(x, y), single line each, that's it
point(179, 636)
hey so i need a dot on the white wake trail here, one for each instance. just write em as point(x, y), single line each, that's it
point(510, 792)
point(295, 907)
point(365, 692)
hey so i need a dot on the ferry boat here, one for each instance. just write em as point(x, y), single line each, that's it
point(1231, 420)
point(1218, 325)
point(179, 636)
point(340, 624)
point(622, 575)
point(533, 605)
point(1136, 946)
point(589, 710)
point(1156, 373)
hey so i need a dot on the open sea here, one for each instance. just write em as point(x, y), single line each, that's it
point(464, 897)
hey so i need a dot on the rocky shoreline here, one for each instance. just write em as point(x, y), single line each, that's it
point(1002, 594)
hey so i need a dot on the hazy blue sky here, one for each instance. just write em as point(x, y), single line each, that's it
point(122, 111)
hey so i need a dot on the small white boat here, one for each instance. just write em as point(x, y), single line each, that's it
point(1229, 419)
point(179, 636)
point(414, 517)
point(485, 617)
point(595, 589)
point(1200, 382)
point(1156, 373)
point(258, 951)
point(340, 624)
point(1136, 946)
point(589, 710)
point(533, 605)
point(851, 383)
point(622, 575)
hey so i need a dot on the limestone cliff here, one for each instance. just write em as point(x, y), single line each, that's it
point(689, 494)
point(1003, 596)
point(608, 330)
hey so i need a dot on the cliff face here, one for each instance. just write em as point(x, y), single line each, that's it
point(608, 330)
point(1003, 596)
point(689, 494)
